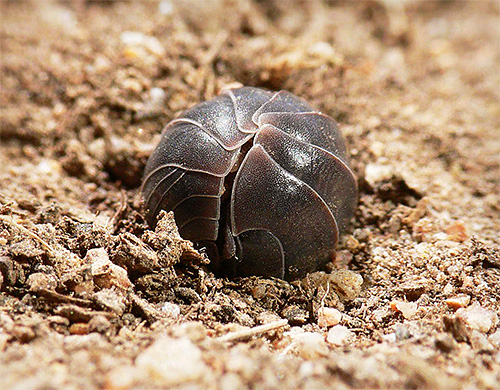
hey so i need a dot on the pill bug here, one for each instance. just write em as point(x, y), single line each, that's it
point(259, 178)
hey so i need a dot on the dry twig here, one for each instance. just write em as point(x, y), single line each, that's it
point(255, 331)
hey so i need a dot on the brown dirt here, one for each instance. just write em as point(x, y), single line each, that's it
point(91, 298)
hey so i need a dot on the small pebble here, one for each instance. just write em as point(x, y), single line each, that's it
point(105, 273)
point(4, 338)
point(193, 330)
point(171, 362)
point(402, 332)
point(171, 310)
point(375, 173)
point(295, 315)
point(445, 342)
point(478, 318)
point(79, 328)
point(165, 7)
point(230, 381)
point(133, 39)
point(390, 337)
point(328, 317)
point(339, 335)
point(111, 299)
point(157, 96)
point(121, 377)
point(23, 333)
point(458, 301)
point(495, 339)
point(457, 232)
point(99, 324)
point(479, 341)
point(407, 309)
point(347, 284)
point(309, 345)
point(41, 281)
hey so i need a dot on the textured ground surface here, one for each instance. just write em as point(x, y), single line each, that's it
point(90, 298)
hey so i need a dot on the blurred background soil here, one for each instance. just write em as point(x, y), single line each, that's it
point(92, 299)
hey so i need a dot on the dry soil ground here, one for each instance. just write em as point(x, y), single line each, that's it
point(91, 298)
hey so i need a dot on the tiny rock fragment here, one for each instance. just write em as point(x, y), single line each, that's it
point(171, 362)
point(171, 310)
point(407, 309)
point(339, 335)
point(79, 328)
point(23, 333)
point(390, 338)
point(6, 322)
point(347, 284)
point(417, 213)
point(4, 338)
point(458, 301)
point(479, 318)
point(41, 281)
point(414, 288)
point(121, 377)
point(402, 332)
point(267, 317)
point(479, 341)
point(58, 320)
point(295, 315)
point(457, 327)
point(448, 289)
point(157, 96)
point(105, 273)
point(146, 309)
point(8, 270)
point(136, 40)
point(111, 300)
point(309, 345)
point(328, 316)
point(457, 232)
point(495, 339)
point(375, 173)
point(99, 324)
point(445, 343)
point(231, 381)
point(133, 255)
point(380, 315)
point(165, 7)
point(193, 330)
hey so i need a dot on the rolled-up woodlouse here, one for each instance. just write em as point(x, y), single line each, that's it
point(259, 178)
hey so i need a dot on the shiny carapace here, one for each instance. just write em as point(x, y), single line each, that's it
point(258, 178)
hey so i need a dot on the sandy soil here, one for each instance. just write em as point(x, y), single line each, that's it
point(92, 299)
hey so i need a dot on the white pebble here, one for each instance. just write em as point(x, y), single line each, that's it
point(375, 173)
point(157, 96)
point(328, 316)
point(171, 310)
point(478, 317)
point(407, 309)
point(495, 339)
point(170, 362)
point(339, 335)
point(309, 345)
point(137, 39)
point(165, 7)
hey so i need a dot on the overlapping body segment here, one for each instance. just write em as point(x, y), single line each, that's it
point(261, 176)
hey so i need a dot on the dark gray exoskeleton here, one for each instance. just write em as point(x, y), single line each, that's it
point(259, 178)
